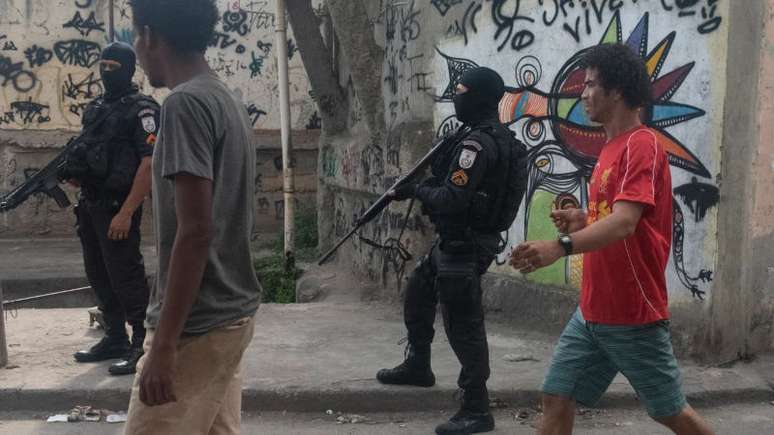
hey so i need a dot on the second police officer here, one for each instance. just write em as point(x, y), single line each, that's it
point(473, 194)
point(112, 166)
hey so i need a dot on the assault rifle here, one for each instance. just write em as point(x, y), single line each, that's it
point(44, 181)
point(411, 177)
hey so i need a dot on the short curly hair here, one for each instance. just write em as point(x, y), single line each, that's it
point(187, 25)
point(621, 69)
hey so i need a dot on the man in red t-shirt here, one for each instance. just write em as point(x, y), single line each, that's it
point(622, 323)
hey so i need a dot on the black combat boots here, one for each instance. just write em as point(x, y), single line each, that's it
point(473, 416)
point(110, 347)
point(415, 370)
point(128, 365)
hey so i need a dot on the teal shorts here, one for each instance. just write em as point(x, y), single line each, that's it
point(589, 355)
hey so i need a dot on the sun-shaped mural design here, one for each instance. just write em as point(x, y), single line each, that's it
point(569, 121)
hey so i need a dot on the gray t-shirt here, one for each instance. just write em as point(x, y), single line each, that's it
point(205, 132)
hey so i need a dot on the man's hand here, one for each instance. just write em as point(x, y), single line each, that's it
point(119, 226)
point(73, 182)
point(569, 220)
point(156, 381)
point(403, 192)
point(530, 256)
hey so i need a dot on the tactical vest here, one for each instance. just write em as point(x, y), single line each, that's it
point(107, 152)
point(496, 201)
point(501, 197)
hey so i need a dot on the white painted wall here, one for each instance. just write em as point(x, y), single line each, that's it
point(49, 50)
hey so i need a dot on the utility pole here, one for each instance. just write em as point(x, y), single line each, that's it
point(288, 188)
point(111, 22)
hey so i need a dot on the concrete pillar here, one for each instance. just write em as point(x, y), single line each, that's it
point(3, 347)
point(761, 255)
point(739, 315)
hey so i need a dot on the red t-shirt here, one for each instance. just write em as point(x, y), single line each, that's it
point(624, 283)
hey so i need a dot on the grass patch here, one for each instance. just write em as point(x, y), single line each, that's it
point(279, 286)
point(305, 226)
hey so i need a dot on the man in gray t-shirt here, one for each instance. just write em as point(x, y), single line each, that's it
point(201, 313)
point(205, 132)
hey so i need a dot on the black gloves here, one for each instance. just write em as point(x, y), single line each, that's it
point(404, 192)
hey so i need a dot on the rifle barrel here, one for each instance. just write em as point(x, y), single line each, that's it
point(338, 245)
point(383, 201)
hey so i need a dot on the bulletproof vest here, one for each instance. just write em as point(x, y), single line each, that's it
point(496, 202)
point(447, 225)
point(457, 226)
point(107, 152)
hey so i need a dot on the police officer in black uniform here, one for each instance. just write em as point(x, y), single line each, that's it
point(112, 167)
point(461, 198)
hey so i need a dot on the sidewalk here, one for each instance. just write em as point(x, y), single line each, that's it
point(303, 357)
point(319, 356)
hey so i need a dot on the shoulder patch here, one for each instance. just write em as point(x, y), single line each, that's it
point(148, 123)
point(467, 158)
point(472, 144)
point(146, 112)
point(459, 178)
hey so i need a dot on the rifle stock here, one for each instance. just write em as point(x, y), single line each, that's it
point(380, 204)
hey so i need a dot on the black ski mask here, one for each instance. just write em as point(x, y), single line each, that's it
point(479, 103)
point(117, 81)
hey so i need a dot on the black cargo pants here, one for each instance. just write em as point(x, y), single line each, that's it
point(114, 268)
point(452, 274)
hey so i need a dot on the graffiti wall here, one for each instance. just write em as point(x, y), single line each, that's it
point(49, 53)
point(536, 45)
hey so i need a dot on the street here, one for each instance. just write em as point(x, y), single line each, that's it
point(740, 419)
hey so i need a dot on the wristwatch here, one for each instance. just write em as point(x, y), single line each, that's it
point(566, 242)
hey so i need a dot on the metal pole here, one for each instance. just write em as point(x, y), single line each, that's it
point(3, 348)
point(112, 22)
point(287, 146)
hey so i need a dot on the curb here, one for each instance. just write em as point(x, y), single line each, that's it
point(398, 399)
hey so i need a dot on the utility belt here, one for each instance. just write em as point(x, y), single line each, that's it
point(95, 197)
point(457, 246)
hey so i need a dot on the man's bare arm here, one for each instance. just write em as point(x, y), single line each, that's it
point(141, 186)
point(532, 255)
point(193, 207)
point(619, 225)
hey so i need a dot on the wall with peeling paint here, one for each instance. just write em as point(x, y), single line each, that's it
point(49, 51)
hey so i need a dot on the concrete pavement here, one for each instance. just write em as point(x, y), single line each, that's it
point(303, 357)
point(319, 356)
point(747, 419)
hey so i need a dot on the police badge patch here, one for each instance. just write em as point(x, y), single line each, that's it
point(459, 178)
point(467, 158)
point(149, 124)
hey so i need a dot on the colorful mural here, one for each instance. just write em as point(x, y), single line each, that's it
point(564, 143)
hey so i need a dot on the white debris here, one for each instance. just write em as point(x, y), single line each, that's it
point(513, 357)
point(59, 418)
point(116, 418)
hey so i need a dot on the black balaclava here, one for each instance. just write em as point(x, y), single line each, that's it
point(118, 81)
point(479, 103)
